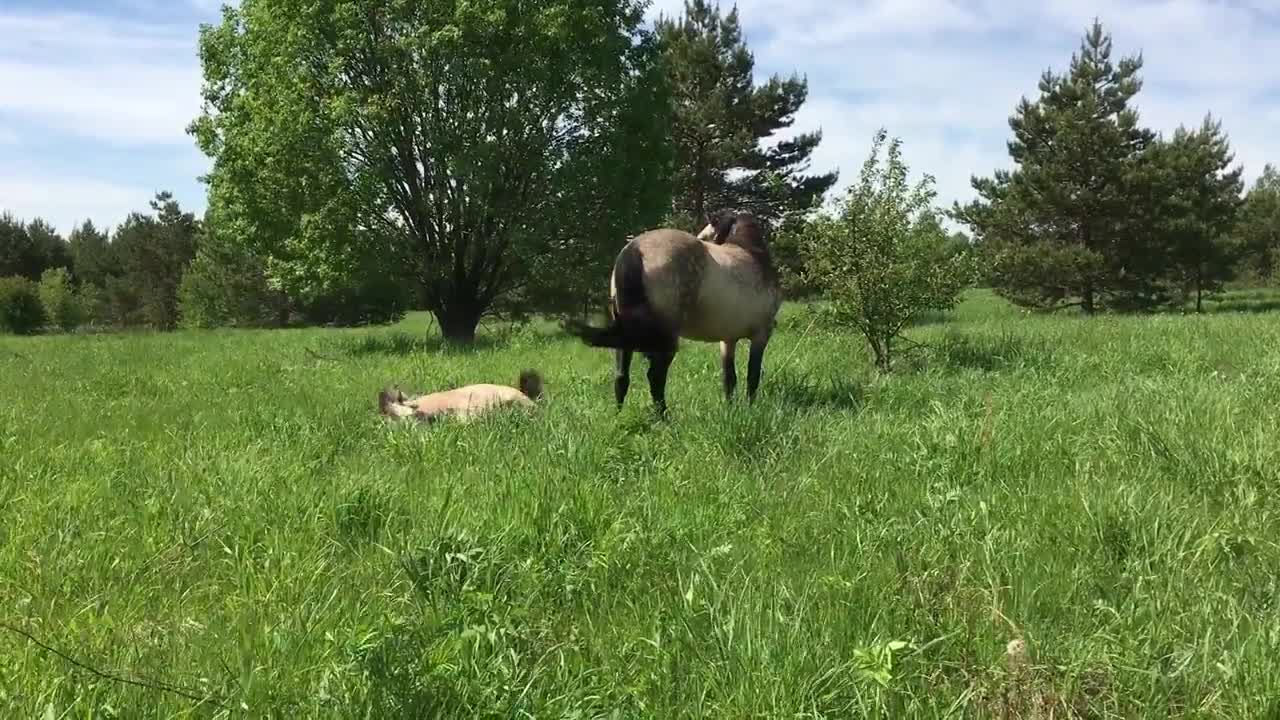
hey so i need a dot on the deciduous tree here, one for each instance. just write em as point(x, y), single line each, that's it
point(433, 137)
point(884, 258)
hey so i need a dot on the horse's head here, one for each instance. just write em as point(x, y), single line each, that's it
point(719, 225)
point(736, 227)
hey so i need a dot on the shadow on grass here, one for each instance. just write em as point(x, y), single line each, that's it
point(955, 352)
point(402, 343)
point(931, 317)
point(803, 391)
point(1243, 305)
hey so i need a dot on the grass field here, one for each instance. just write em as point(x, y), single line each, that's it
point(223, 514)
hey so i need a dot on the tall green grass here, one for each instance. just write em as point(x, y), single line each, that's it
point(224, 512)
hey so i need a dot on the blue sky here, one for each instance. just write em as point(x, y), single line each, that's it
point(95, 96)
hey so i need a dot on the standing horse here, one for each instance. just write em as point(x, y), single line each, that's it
point(720, 286)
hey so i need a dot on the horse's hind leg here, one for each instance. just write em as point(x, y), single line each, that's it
point(659, 364)
point(621, 375)
point(727, 369)
point(754, 360)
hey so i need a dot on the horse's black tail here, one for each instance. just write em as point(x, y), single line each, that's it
point(633, 325)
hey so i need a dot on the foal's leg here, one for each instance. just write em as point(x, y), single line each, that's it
point(727, 369)
point(621, 375)
point(754, 360)
point(659, 363)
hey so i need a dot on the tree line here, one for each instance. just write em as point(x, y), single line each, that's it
point(488, 159)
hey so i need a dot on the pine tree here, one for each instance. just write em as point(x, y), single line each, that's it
point(1058, 229)
point(720, 118)
point(1258, 230)
point(1197, 199)
point(92, 259)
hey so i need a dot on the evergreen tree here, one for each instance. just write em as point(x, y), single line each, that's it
point(1197, 196)
point(153, 251)
point(1258, 230)
point(50, 247)
point(720, 118)
point(92, 261)
point(27, 250)
point(1059, 228)
point(17, 254)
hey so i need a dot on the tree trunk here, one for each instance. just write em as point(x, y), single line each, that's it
point(458, 325)
point(880, 346)
point(1086, 302)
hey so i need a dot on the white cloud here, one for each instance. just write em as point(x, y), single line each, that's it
point(65, 202)
point(945, 75)
point(942, 74)
point(114, 81)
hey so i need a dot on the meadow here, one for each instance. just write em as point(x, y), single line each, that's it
point(218, 524)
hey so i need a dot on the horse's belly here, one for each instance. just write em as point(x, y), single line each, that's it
point(712, 322)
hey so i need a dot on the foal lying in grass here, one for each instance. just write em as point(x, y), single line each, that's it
point(464, 403)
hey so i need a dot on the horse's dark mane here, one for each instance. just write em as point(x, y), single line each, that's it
point(744, 229)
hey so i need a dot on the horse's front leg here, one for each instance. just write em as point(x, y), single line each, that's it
point(621, 375)
point(727, 369)
point(754, 360)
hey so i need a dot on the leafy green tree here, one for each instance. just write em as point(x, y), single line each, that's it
point(153, 251)
point(599, 207)
point(720, 119)
point(92, 260)
point(884, 258)
point(1197, 196)
point(431, 139)
point(1059, 229)
point(58, 296)
point(1258, 229)
point(21, 312)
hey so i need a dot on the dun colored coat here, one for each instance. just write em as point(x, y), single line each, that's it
point(719, 286)
point(464, 403)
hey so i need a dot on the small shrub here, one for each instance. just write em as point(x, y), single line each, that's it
point(21, 311)
point(62, 305)
point(93, 306)
point(884, 258)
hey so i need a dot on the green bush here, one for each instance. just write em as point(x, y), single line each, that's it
point(62, 305)
point(226, 286)
point(21, 312)
point(883, 259)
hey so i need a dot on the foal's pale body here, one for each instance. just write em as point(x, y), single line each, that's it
point(462, 404)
